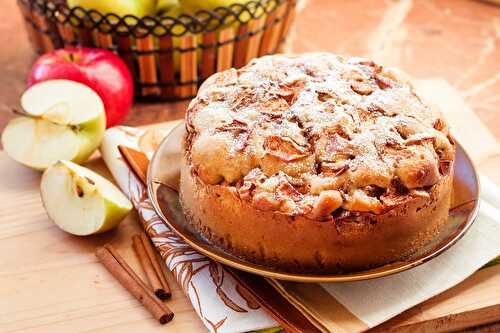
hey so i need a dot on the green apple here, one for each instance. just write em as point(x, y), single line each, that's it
point(80, 201)
point(137, 8)
point(193, 6)
point(163, 7)
point(63, 120)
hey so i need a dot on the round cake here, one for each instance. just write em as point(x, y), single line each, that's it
point(315, 163)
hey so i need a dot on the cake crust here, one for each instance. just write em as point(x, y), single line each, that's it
point(315, 163)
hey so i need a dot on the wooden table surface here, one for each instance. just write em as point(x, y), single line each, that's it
point(458, 40)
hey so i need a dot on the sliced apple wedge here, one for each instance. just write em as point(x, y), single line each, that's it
point(64, 120)
point(80, 201)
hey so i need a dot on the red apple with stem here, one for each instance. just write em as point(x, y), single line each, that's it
point(99, 69)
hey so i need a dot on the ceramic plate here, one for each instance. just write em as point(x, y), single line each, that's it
point(163, 181)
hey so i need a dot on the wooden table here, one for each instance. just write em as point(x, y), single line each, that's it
point(50, 281)
point(457, 40)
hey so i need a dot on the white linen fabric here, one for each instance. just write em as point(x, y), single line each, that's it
point(378, 300)
point(218, 299)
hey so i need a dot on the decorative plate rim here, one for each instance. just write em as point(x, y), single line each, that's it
point(219, 255)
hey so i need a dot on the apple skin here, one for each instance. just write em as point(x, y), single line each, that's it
point(99, 69)
point(138, 8)
point(80, 201)
point(163, 7)
point(192, 6)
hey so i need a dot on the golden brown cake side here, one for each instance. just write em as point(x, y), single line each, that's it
point(297, 244)
point(315, 162)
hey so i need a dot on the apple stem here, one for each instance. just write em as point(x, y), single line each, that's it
point(79, 191)
point(90, 181)
point(19, 113)
point(70, 57)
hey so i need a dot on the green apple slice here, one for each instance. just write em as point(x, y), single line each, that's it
point(64, 120)
point(80, 201)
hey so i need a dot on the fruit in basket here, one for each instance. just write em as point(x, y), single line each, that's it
point(170, 9)
point(80, 201)
point(193, 6)
point(63, 120)
point(101, 70)
point(137, 8)
point(163, 7)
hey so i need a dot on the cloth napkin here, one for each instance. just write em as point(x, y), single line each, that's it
point(218, 299)
point(222, 304)
point(376, 301)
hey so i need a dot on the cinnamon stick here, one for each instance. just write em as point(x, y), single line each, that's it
point(158, 264)
point(117, 266)
point(136, 160)
point(151, 266)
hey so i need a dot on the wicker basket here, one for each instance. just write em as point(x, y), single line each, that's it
point(169, 57)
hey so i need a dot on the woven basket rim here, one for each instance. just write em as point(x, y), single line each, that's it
point(201, 21)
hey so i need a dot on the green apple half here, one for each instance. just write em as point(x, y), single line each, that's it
point(80, 201)
point(64, 120)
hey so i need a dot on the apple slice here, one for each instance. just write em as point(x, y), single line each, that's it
point(64, 120)
point(80, 201)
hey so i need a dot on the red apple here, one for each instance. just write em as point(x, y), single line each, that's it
point(99, 69)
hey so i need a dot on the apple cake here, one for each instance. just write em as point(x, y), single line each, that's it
point(315, 163)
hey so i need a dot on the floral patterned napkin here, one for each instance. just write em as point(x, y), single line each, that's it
point(220, 301)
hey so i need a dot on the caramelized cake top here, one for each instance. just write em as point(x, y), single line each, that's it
point(309, 134)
